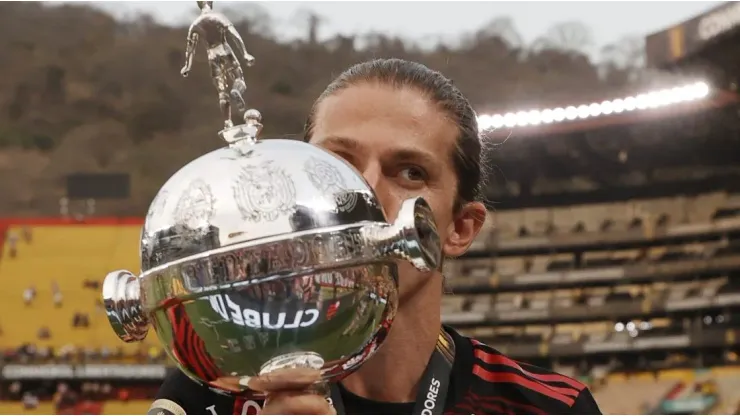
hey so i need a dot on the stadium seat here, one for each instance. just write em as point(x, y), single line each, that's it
point(16, 408)
point(112, 407)
point(536, 220)
point(507, 266)
point(506, 223)
point(643, 391)
point(478, 269)
point(728, 386)
point(131, 407)
point(452, 304)
point(67, 255)
point(704, 206)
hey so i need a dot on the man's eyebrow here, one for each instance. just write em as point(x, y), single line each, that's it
point(415, 155)
point(340, 141)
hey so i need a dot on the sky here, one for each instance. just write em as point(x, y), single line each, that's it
point(424, 20)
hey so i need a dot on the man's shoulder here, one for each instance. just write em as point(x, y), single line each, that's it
point(509, 385)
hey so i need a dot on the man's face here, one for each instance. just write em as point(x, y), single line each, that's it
point(402, 144)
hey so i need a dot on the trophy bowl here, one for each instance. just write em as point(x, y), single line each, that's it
point(265, 255)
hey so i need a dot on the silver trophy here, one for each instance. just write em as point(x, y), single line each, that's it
point(266, 255)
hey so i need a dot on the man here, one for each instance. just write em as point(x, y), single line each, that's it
point(410, 132)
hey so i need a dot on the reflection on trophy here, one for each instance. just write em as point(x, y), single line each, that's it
point(216, 30)
point(266, 255)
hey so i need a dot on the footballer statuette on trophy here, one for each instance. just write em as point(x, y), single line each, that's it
point(215, 30)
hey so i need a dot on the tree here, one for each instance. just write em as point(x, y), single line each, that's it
point(504, 29)
point(90, 147)
point(628, 52)
point(311, 22)
point(251, 18)
point(624, 59)
point(566, 37)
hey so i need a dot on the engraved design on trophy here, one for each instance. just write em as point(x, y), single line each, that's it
point(327, 179)
point(264, 192)
point(195, 206)
point(157, 205)
point(216, 31)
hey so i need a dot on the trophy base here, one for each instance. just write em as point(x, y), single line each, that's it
point(246, 132)
point(296, 361)
point(239, 133)
point(293, 360)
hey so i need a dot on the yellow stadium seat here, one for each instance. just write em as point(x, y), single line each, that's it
point(16, 408)
point(131, 407)
point(67, 255)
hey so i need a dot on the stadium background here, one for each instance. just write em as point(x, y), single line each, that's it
point(612, 252)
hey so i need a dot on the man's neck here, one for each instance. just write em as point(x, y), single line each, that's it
point(394, 372)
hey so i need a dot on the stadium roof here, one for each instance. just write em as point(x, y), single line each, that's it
point(693, 37)
point(629, 109)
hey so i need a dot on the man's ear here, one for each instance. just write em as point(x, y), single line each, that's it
point(464, 228)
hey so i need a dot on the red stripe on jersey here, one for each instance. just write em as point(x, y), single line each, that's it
point(562, 390)
point(503, 377)
point(189, 346)
point(332, 310)
point(493, 358)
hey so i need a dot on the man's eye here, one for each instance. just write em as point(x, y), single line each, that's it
point(413, 173)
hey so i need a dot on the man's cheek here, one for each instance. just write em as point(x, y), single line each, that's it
point(392, 201)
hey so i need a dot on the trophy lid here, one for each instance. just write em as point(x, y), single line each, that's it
point(232, 196)
point(252, 189)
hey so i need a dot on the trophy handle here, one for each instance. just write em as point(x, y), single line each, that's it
point(412, 237)
point(419, 234)
point(122, 300)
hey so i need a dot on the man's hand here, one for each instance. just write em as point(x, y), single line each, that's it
point(185, 71)
point(289, 392)
point(296, 403)
point(249, 59)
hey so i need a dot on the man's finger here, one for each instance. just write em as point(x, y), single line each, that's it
point(284, 379)
point(296, 403)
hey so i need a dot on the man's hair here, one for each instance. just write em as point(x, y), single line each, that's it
point(399, 73)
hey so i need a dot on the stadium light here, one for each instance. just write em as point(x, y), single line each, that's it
point(646, 101)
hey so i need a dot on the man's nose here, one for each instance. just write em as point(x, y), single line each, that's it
point(373, 174)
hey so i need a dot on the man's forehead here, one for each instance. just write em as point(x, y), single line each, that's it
point(383, 119)
point(395, 148)
point(365, 100)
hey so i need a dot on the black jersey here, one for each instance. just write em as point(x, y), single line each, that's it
point(483, 381)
